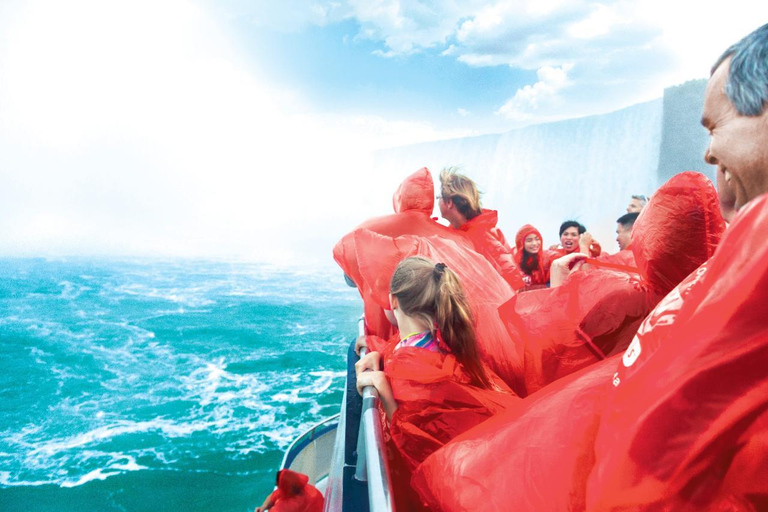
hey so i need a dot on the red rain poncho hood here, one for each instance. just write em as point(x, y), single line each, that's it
point(540, 275)
point(523, 232)
point(596, 312)
point(659, 243)
point(295, 494)
point(416, 192)
point(413, 203)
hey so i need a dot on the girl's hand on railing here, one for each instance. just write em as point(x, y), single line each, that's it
point(369, 378)
point(360, 343)
point(371, 361)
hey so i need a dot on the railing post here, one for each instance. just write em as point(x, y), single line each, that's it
point(372, 463)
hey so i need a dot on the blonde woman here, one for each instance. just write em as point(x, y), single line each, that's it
point(459, 203)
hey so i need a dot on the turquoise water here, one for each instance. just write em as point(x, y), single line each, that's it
point(146, 385)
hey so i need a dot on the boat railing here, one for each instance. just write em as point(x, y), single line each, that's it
point(371, 453)
point(372, 466)
point(359, 480)
point(306, 452)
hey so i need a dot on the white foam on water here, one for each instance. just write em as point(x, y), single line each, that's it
point(118, 463)
point(325, 380)
point(7, 481)
point(192, 297)
point(71, 291)
point(96, 474)
point(109, 432)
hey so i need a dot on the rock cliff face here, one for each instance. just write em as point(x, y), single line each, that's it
point(584, 169)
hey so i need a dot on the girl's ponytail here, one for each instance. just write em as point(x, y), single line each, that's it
point(455, 321)
point(434, 294)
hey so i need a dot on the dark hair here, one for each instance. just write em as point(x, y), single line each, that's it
point(572, 224)
point(628, 219)
point(529, 262)
point(434, 294)
point(747, 84)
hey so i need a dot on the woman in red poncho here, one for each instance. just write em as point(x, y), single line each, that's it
point(531, 258)
point(459, 203)
point(431, 381)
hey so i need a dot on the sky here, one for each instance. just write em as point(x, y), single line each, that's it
point(245, 129)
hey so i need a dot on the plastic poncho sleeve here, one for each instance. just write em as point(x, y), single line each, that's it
point(535, 456)
point(489, 241)
point(436, 401)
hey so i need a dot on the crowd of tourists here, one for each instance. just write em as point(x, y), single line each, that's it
point(531, 378)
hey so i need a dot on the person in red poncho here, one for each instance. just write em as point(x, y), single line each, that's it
point(531, 258)
point(596, 311)
point(431, 381)
point(459, 203)
point(574, 238)
point(624, 239)
point(293, 494)
point(413, 203)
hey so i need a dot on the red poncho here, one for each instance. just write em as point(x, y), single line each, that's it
point(413, 203)
point(685, 425)
point(435, 403)
point(624, 257)
point(435, 400)
point(489, 241)
point(540, 275)
point(485, 290)
point(534, 457)
point(295, 494)
point(597, 311)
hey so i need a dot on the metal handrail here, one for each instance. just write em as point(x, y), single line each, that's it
point(372, 463)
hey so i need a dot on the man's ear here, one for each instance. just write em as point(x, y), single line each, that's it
point(393, 302)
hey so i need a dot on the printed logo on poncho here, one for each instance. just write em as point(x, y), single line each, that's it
point(664, 314)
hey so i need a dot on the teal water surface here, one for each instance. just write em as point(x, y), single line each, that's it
point(162, 385)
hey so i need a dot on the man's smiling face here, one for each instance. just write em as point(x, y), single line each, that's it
point(738, 144)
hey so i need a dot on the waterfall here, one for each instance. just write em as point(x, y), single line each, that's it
point(584, 169)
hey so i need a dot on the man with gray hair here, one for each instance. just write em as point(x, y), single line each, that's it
point(636, 204)
point(686, 421)
point(735, 115)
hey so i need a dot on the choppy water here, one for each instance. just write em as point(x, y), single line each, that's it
point(142, 385)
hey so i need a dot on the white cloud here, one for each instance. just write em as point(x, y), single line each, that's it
point(528, 100)
point(626, 51)
point(463, 112)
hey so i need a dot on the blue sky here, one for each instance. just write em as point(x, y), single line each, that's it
point(246, 128)
point(338, 71)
